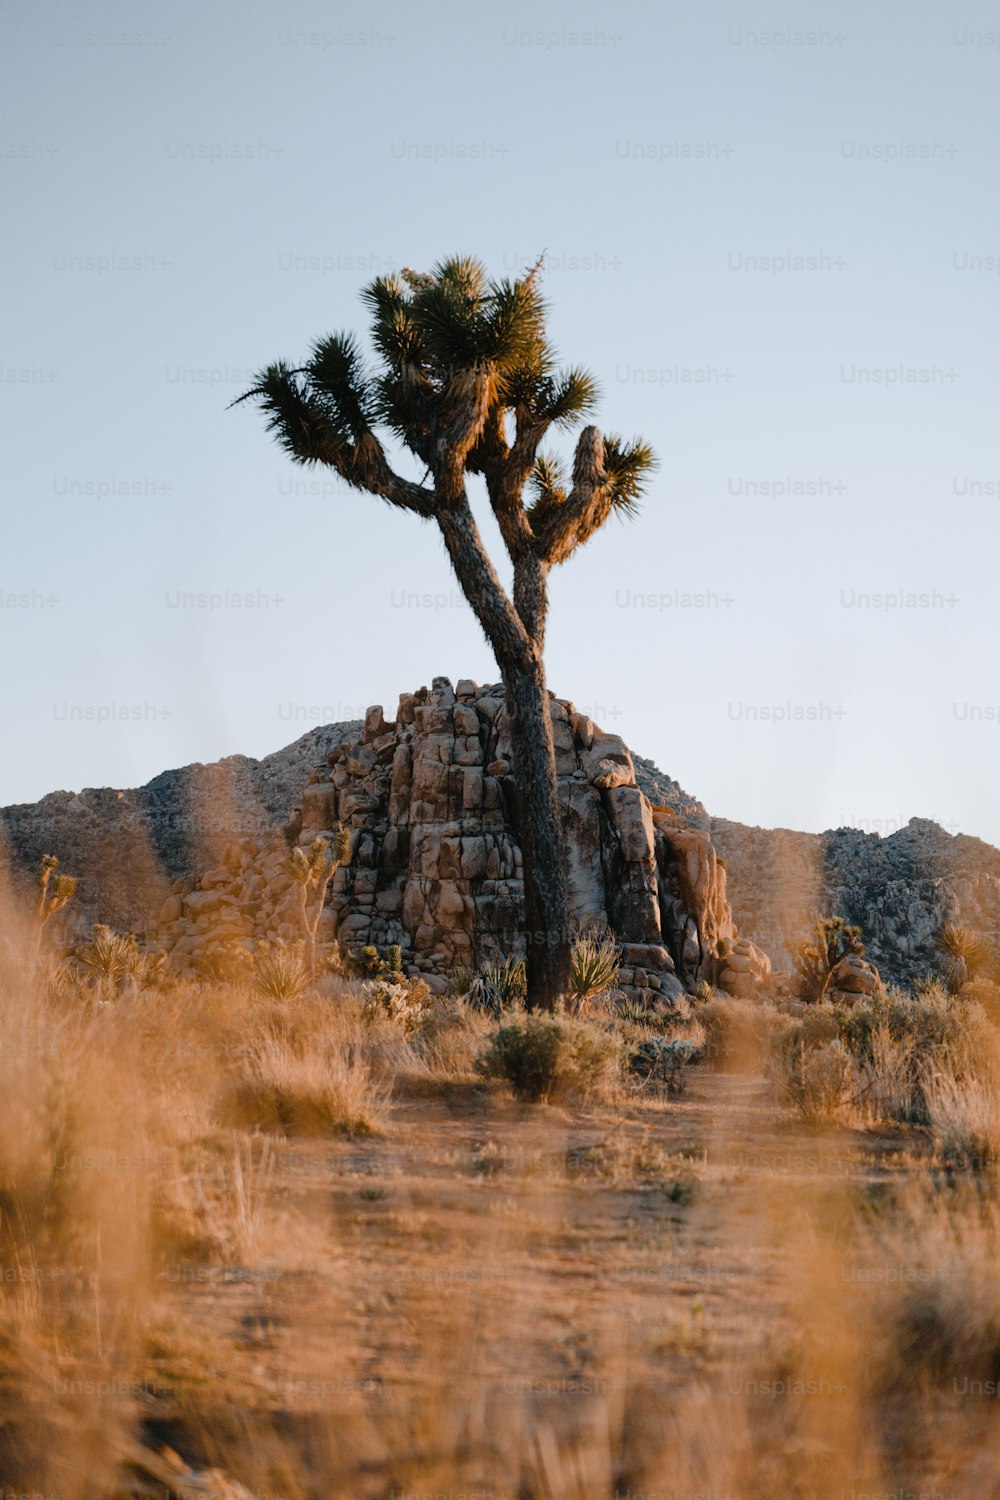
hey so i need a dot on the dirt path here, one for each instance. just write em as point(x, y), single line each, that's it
point(526, 1251)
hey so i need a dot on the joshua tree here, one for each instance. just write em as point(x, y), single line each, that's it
point(312, 870)
point(466, 380)
point(54, 891)
point(819, 955)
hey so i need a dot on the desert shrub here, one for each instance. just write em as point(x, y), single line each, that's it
point(117, 962)
point(450, 1039)
point(882, 1057)
point(940, 1322)
point(632, 1013)
point(984, 992)
point(280, 974)
point(964, 1117)
point(547, 1057)
point(499, 986)
point(967, 954)
point(404, 1002)
point(369, 963)
point(593, 970)
point(929, 1019)
point(460, 981)
point(660, 1059)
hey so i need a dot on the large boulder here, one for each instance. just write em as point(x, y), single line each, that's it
point(853, 977)
point(746, 968)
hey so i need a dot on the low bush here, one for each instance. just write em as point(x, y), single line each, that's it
point(406, 1002)
point(740, 1035)
point(548, 1057)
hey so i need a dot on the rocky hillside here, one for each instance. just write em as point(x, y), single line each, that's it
point(131, 847)
point(899, 889)
point(128, 846)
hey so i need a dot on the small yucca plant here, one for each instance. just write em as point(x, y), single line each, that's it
point(280, 975)
point(113, 956)
point(593, 971)
point(966, 951)
point(498, 986)
point(631, 1011)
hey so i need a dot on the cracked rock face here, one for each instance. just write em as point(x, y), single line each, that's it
point(436, 862)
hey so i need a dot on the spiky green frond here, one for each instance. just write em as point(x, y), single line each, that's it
point(394, 332)
point(573, 394)
point(548, 479)
point(546, 487)
point(522, 389)
point(449, 321)
point(628, 466)
point(464, 274)
point(406, 407)
point(401, 343)
point(336, 370)
point(514, 328)
point(594, 970)
point(304, 425)
point(384, 295)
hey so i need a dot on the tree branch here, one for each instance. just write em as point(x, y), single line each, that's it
point(465, 406)
point(531, 595)
point(586, 507)
point(377, 477)
point(501, 623)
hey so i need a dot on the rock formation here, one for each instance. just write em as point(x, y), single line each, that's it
point(431, 802)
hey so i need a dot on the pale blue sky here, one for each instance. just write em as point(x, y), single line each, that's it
point(677, 144)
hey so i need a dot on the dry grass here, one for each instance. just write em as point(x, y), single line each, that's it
point(230, 1223)
point(740, 1035)
point(285, 1088)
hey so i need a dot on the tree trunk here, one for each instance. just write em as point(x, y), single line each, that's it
point(546, 912)
point(547, 935)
